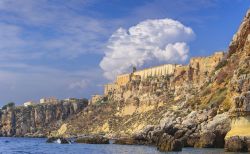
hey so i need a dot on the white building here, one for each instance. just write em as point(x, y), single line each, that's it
point(49, 100)
point(28, 103)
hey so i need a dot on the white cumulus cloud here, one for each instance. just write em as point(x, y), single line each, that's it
point(147, 43)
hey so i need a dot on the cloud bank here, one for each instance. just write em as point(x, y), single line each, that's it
point(147, 43)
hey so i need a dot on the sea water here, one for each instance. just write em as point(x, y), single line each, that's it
point(39, 146)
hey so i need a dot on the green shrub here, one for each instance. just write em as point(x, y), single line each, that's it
point(10, 104)
point(221, 64)
point(226, 105)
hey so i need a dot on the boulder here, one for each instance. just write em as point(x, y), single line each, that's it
point(220, 121)
point(155, 136)
point(191, 140)
point(92, 140)
point(207, 140)
point(168, 143)
point(236, 144)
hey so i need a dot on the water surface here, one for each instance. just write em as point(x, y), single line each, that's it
point(39, 146)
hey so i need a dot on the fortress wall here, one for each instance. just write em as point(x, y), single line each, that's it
point(122, 79)
point(109, 87)
point(206, 64)
point(166, 69)
point(200, 64)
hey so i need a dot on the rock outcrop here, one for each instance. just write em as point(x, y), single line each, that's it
point(95, 139)
point(37, 120)
point(236, 144)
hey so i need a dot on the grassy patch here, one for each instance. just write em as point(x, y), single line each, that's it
point(217, 98)
point(226, 104)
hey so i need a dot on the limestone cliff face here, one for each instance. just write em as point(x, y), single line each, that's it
point(152, 101)
point(240, 83)
point(193, 105)
point(37, 120)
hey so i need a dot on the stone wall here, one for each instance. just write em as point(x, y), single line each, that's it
point(109, 88)
point(196, 71)
point(206, 64)
point(122, 79)
point(166, 69)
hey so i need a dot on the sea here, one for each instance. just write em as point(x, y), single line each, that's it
point(39, 146)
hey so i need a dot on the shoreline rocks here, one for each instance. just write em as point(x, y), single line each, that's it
point(236, 144)
point(95, 139)
point(59, 140)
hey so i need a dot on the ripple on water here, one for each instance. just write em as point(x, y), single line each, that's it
point(39, 146)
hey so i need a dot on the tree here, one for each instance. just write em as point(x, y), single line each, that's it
point(10, 104)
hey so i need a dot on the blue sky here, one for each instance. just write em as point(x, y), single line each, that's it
point(56, 47)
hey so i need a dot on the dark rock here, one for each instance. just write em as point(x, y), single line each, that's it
point(168, 143)
point(207, 140)
point(51, 140)
point(179, 134)
point(155, 136)
point(92, 140)
point(191, 140)
point(236, 144)
point(212, 112)
point(141, 139)
point(60, 140)
point(171, 130)
point(220, 138)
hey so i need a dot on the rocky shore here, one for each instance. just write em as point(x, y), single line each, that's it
point(205, 104)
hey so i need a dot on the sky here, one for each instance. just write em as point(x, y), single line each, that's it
point(71, 48)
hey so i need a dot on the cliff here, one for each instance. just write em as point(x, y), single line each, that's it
point(193, 106)
point(203, 104)
point(37, 120)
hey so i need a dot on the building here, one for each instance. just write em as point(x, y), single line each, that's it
point(96, 98)
point(73, 100)
point(28, 103)
point(49, 100)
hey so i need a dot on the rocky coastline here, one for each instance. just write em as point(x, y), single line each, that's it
point(37, 120)
point(201, 106)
